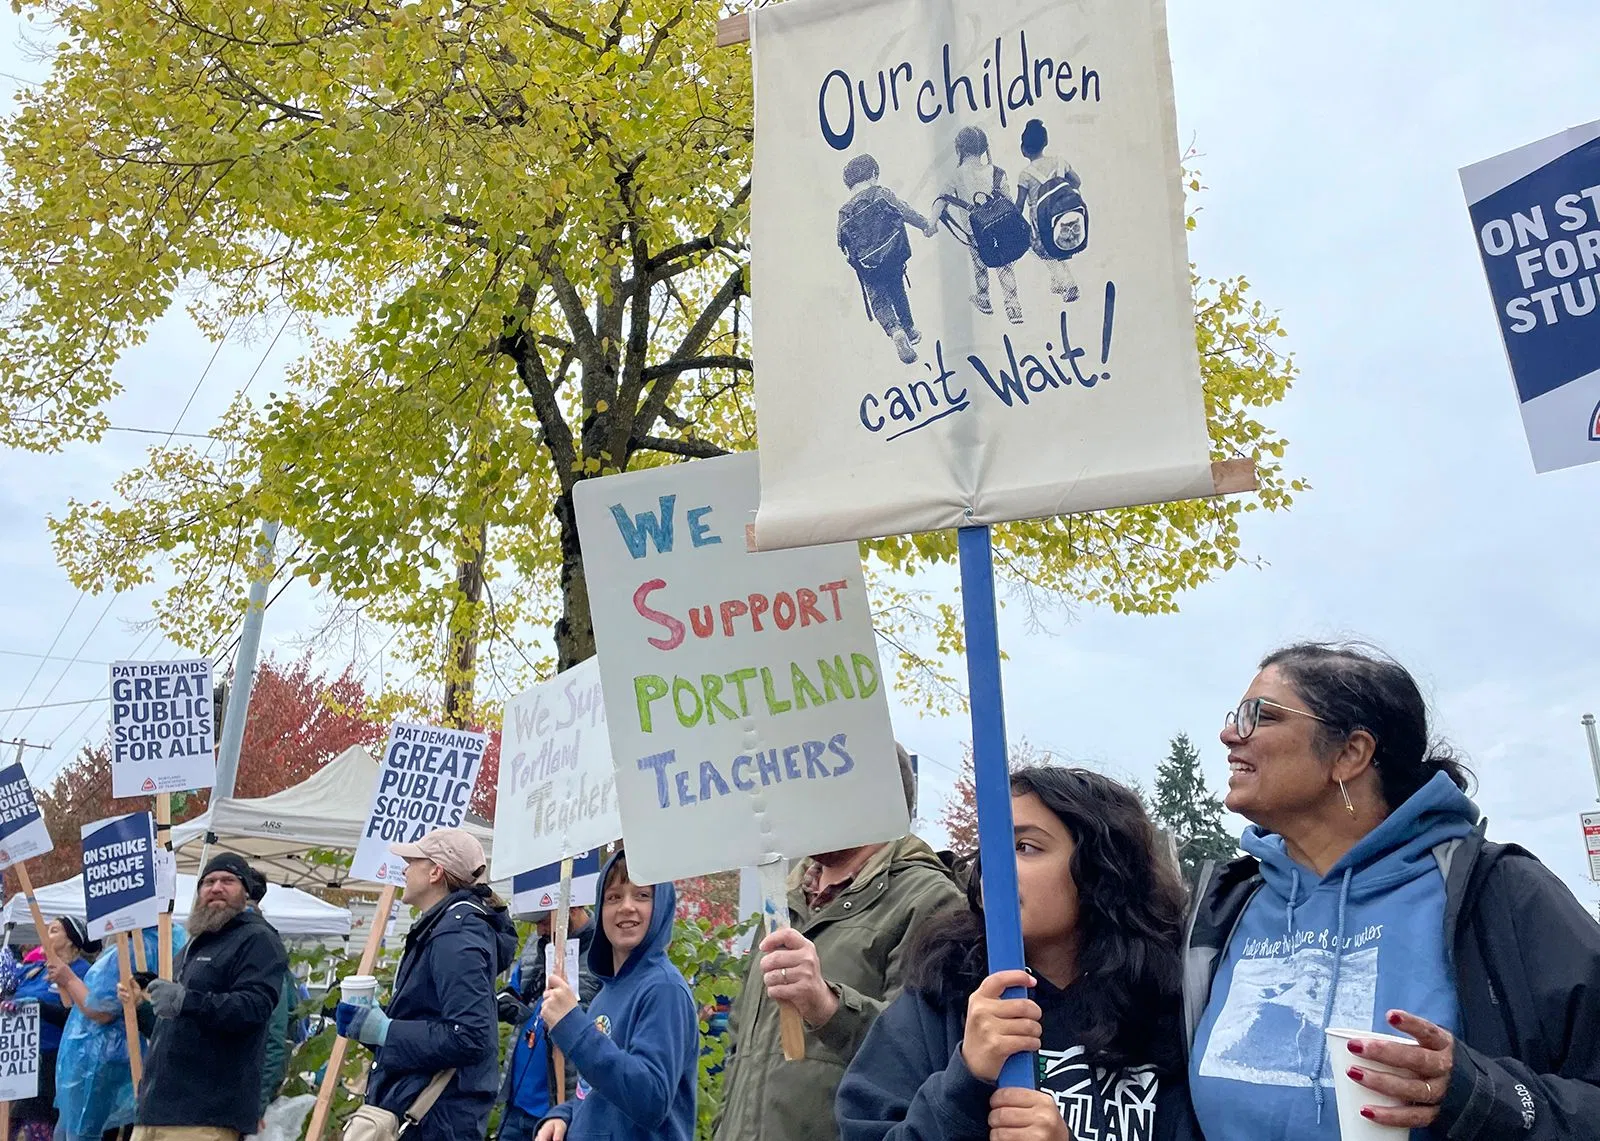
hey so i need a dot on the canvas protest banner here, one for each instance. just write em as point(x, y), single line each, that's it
point(748, 718)
point(162, 727)
point(556, 795)
point(425, 781)
point(1536, 214)
point(538, 890)
point(23, 834)
point(119, 874)
point(19, 1052)
point(969, 266)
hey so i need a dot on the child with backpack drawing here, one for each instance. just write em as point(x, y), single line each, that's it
point(872, 234)
point(1047, 195)
point(986, 220)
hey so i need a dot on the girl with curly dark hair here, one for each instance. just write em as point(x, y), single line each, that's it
point(1102, 913)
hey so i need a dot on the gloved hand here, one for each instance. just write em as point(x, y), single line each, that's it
point(166, 997)
point(510, 1008)
point(366, 1024)
point(144, 978)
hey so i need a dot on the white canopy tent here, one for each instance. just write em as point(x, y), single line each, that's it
point(276, 833)
point(295, 914)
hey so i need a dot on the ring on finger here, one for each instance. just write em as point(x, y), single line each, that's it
point(1429, 1087)
point(783, 975)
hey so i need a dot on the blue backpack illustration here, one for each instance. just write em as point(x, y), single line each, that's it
point(1060, 216)
point(995, 229)
point(874, 236)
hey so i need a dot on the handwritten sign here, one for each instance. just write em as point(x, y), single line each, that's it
point(540, 889)
point(557, 791)
point(1536, 211)
point(162, 727)
point(19, 1053)
point(23, 834)
point(974, 211)
point(748, 715)
point(119, 874)
point(425, 781)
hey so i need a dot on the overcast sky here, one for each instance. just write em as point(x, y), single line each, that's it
point(1331, 137)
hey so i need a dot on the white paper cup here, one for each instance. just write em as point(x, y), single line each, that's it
point(1352, 1095)
point(358, 990)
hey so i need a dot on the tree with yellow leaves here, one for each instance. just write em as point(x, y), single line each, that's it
point(516, 236)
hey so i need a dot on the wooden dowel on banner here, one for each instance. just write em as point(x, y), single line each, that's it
point(5, 1120)
point(775, 914)
point(164, 920)
point(130, 1016)
point(733, 30)
point(38, 916)
point(141, 961)
point(369, 958)
point(558, 942)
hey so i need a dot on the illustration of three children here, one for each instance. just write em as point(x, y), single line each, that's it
point(1047, 216)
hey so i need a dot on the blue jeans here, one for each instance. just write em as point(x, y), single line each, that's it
point(517, 1125)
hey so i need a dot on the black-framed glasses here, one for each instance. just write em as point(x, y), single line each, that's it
point(1243, 720)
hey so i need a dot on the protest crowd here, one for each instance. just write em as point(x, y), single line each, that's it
point(1148, 1004)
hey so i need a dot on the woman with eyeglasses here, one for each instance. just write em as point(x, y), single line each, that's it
point(1370, 900)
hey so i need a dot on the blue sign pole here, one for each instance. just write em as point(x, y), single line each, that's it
point(992, 779)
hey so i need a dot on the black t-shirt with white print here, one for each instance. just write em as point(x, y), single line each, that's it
point(1100, 1104)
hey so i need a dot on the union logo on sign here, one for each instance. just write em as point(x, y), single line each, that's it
point(1594, 424)
point(110, 926)
point(148, 785)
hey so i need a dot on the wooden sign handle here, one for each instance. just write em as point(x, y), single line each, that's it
point(775, 914)
point(38, 916)
point(341, 1045)
point(130, 1016)
point(164, 920)
point(558, 942)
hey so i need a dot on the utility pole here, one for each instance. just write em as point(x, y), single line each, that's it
point(23, 745)
point(1594, 750)
point(1591, 820)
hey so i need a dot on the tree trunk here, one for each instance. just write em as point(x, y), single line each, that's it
point(575, 628)
point(461, 649)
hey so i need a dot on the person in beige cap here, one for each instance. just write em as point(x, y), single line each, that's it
point(442, 1013)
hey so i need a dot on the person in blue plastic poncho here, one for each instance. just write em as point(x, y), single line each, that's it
point(94, 1085)
point(35, 1117)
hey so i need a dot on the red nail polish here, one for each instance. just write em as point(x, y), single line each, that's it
point(1394, 1018)
point(1357, 1048)
point(1368, 1114)
point(1355, 1073)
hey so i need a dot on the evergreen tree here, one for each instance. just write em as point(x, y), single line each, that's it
point(1188, 811)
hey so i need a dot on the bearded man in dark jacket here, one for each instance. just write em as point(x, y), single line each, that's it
point(202, 1077)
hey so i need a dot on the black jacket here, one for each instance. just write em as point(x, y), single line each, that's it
point(908, 1082)
point(204, 1066)
point(527, 997)
point(443, 1011)
point(1526, 957)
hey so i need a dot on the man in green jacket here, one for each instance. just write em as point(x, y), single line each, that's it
point(854, 914)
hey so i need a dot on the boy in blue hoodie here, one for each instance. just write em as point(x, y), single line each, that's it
point(637, 1048)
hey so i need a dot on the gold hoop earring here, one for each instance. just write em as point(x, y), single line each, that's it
point(1348, 807)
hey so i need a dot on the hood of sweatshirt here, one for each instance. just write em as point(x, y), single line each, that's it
point(663, 910)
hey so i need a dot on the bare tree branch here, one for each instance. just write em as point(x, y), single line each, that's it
point(692, 449)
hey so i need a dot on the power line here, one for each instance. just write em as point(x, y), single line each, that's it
point(44, 657)
point(48, 658)
point(124, 428)
point(51, 705)
point(110, 602)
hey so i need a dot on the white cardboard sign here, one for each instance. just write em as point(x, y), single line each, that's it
point(557, 792)
point(23, 834)
point(425, 781)
point(746, 705)
point(970, 266)
point(163, 732)
point(19, 1053)
point(570, 961)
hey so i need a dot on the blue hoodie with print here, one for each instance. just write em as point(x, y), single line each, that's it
point(1309, 954)
point(637, 1047)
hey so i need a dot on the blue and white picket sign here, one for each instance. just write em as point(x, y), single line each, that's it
point(540, 889)
point(19, 1052)
point(23, 834)
point(163, 730)
point(1536, 214)
point(119, 874)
